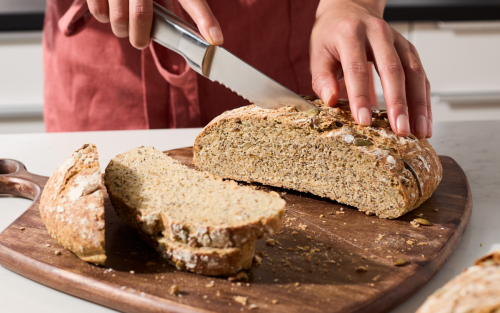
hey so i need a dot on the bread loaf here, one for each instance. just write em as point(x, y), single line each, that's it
point(72, 205)
point(323, 152)
point(475, 290)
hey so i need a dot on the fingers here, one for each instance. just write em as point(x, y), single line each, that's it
point(356, 70)
point(118, 16)
point(140, 21)
point(392, 75)
point(428, 96)
point(205, 20)
point(134, 18)
point(417, 91)
point(429, 110)
point(99, 9)
point(325, 70)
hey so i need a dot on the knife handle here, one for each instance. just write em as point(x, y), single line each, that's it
point(171, 31)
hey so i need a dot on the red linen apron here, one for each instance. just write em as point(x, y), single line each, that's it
point(96, 81)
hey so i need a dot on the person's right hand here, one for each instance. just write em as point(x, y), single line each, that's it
point(133, 19)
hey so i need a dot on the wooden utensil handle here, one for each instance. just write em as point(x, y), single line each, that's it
point(17, 181)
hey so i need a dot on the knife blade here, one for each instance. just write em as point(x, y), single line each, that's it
point(220, 65)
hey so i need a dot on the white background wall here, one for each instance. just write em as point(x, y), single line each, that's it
point(21, 71)
point(18, 6)
point(462, 63)
point(21, 82)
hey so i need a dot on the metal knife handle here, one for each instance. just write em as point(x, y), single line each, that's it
point(176, 34)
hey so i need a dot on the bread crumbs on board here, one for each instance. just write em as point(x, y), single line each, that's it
point(241, 299)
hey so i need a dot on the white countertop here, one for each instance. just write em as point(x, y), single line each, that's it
point(472, 144)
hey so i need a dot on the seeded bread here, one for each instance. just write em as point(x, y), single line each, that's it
point(324, 153)
point(155, 194)
point(72, 205)
point(475, 290)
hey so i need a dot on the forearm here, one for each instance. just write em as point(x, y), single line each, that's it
point(376, 7)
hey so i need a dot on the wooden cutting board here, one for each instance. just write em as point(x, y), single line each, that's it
point(311, 267)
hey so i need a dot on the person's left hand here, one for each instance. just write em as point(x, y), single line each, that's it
point(346, 36)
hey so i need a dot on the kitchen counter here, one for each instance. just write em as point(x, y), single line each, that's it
point(472, 144)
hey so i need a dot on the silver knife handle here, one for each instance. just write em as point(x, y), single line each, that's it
point(176, 34)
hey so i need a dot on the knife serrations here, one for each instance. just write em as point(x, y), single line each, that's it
point(225, 68)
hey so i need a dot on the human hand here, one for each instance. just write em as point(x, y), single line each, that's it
point(133, 19)
point(349, 34)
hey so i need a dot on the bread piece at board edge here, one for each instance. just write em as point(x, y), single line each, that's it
point(323, 152)
point(477, 290)
point(72, 205)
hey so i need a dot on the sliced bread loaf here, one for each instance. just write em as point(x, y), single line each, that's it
point(323, 152)
point(154, 193)
point(72, 205)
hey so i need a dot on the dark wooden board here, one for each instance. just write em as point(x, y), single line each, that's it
point(355, 240)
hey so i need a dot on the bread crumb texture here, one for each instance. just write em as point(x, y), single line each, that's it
point(72, 205)
point(198, 222)
point(189, 206)
point(325, 153)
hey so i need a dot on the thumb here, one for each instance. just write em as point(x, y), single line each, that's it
point(324, 81)
point(205, 20)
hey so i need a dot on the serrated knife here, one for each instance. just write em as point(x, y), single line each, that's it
point(219, 65)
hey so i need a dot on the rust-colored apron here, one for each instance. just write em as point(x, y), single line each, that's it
point(96, 81)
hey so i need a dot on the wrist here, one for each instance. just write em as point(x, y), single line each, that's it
point(375, 7)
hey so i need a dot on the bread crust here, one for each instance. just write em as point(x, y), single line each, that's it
point(207, 261)
point(387, 150)
point(477, 289)
point(72, 205)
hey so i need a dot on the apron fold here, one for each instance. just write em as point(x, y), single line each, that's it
point(184, 105)
point(75, 19)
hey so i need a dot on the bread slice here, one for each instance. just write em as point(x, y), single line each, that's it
point(72, 205)
point(207, 261)
point(475, 290)
point(155, 194)
point(323, 152)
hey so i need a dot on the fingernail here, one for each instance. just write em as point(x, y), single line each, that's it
point(429, 128)
point(326, 94)
point(421, 126)
point(364, 117)
point(403, 125)
point(216, 35)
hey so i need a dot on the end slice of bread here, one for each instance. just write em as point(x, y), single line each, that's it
point(72, 205)
point(155, 194)
point(323, 152)
point(477, 289)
